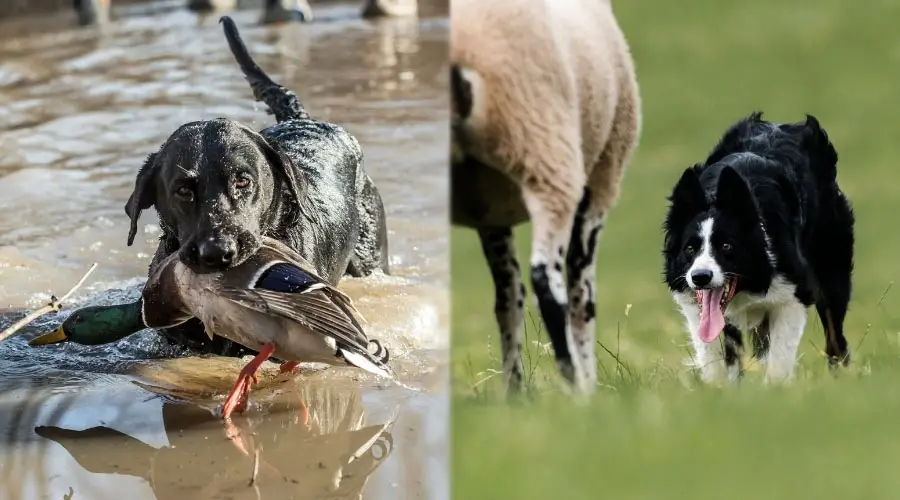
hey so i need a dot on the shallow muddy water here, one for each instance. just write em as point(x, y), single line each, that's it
point(79, 111)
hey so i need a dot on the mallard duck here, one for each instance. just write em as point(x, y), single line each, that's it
point(273, 303)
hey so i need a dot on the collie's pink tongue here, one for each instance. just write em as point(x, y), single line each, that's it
point(712, 320)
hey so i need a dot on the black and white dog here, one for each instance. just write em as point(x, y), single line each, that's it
point(753, 237)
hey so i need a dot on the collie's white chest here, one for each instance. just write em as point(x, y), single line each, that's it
point(748, 311)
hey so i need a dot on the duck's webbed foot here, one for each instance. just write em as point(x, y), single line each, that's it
point(237, 398)
point(292, 367)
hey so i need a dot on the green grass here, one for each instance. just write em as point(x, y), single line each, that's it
point(652, 431)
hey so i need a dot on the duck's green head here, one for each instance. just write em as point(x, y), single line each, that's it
point(96, 325)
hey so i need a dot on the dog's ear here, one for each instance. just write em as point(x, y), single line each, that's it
point(284, 167)
point(688, 194)
point(686, 201)
point(144, 194)
point(285, 171)
point(734, 194)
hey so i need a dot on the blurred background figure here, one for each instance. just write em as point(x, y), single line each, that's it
point(97, 12)
point(393, 8)
point(91, 11)
point(277, 11)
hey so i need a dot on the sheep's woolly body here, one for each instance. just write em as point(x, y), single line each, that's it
point(550, 79)
point(552, 105)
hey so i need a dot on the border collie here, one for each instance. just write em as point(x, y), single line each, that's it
point(754, 236)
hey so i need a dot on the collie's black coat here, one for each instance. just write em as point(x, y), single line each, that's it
point(772, 193)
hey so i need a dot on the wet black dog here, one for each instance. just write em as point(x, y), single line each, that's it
point(219, 186)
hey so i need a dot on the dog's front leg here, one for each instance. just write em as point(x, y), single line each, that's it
point(708, 357)
point(786, 324)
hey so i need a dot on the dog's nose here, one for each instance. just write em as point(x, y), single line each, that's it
point(701, 277)
point(216, 254)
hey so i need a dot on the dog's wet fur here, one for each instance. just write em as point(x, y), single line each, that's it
point(219, 186)
point(764, 213)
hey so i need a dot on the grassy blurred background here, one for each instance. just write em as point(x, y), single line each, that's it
point(652, 431)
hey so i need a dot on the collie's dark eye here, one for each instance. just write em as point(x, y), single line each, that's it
point(726, 248)
point(184, 192)
point(689, 250)
point(242, 182)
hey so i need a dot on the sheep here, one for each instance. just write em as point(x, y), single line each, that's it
point(546, 115)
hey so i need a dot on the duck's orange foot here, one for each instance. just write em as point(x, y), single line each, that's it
point(237, 398)
point(292, 367)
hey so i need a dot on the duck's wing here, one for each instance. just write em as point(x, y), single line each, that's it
point(287, 271)
point(314, 308)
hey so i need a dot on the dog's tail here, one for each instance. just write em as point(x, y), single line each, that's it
point(822, 152)
point(283, 103)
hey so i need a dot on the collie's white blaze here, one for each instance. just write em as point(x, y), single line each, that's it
point(705, 259)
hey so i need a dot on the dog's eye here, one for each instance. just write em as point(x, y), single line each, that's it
point(689, 250)
point(726, 248)
point(242, 182)
point(184, 192)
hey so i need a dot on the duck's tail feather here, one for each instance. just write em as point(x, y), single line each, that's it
point(283, 103)
point(345, 300)
point(381, 353)
point(367, 362)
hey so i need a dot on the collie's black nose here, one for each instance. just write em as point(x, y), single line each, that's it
point(216, 254)
point(701, 277)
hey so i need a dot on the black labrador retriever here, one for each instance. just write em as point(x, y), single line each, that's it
point(219, 186)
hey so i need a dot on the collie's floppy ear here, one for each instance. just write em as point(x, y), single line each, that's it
point(144, 194)
point(686, 201)
point(733, 194)
point(688, 194)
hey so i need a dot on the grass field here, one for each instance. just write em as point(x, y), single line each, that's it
point(652, 431)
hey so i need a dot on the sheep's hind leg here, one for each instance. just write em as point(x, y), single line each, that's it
point(581, 278)
point(500, 252)
point(552, 212)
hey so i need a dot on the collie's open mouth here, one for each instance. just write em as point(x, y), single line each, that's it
point(713, 302)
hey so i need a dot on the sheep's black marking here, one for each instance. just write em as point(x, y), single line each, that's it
point(554, 314)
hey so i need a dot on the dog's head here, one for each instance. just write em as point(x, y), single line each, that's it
point(715, 246)
point(218, 187)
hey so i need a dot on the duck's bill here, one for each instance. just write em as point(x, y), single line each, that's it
point(713, 302)
point(54, 337)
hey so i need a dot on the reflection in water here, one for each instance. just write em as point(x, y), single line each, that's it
point(176, 447)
